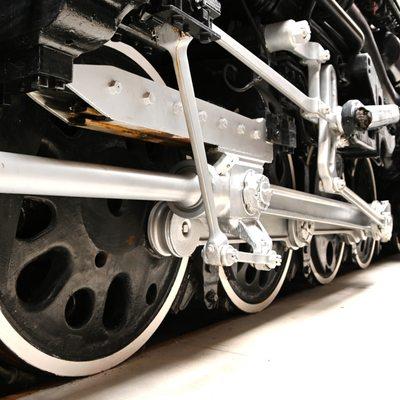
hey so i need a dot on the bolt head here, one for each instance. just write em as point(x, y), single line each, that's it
point(325, 110)
point(177, 108)
point(203, 116)
point(326, 55)
point(256, 135)
point(223, 123)
point(305, 231)
point(210, 248)
point(186, 228)
point(241, 129)
point(115, 87)
point(148, 98)
point(339, 184)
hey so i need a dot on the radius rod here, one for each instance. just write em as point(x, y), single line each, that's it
point(32, 175)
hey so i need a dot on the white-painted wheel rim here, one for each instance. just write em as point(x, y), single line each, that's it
point(326, 280)
point(48, 363)
point(251, 308)
point(365, 264)
point(360, 263)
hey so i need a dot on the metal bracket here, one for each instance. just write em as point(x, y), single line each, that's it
point(294, 36)
point(236, 188)
point(327, 147)
point(311, 105)
point(262, 257)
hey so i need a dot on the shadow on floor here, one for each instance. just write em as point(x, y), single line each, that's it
point(175, 331)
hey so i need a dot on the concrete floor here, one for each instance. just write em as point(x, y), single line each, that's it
point(341, 341)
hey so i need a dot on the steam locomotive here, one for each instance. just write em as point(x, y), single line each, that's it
point(156, 153)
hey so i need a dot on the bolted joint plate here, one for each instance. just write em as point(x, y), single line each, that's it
point(145, 106)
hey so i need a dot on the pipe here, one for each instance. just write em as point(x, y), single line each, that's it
point(344, 24)
point(372, 48)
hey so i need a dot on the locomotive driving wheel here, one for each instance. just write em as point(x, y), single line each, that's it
point(324, 256)
point(361, 179)
point(247, 288)
point(80, 291)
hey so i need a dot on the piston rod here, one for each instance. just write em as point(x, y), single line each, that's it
point(32, 175)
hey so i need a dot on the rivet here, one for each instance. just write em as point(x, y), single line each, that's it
point(223, 123)
point(115, 87)
point(148, 98)
point(203, 116)
point(177, 108)
point(241, 129)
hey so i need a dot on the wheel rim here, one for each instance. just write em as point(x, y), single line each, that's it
point(80, 291)
point(362, 182)
point(41, 360)
point(326, 255)
point(250, 290)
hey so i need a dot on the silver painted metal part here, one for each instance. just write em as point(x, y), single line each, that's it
point(177, 44)
point(138, 58)
point(165, 113)
point(328, 143)
point(383, 115)
point(294, 36)
point(308, 104)
point(328, 139)
point(22, 174)
point(293, 204)
point(32, 175)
